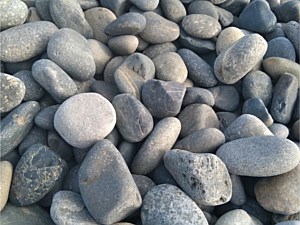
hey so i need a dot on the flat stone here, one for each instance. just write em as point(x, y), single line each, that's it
point(84, 119)
point(238, 192)
point(166, 203)
point(280, 194)
point(227, 38)
point(236, 217)
point(143, 183)
point(157, 49)
point(174, 10)
point(6, 171)
point(198, 95)
point(45, 118)
point(134, 121)
point(203, 177)
point(72, 52)
point(123, 44)
point(107, 90)
point(253, 156)
point(106, 185)
point(225, 119)
point(161, 140)
point(281, 47)
point(279, 130)
point(146, 5)
point(17, 44)
point(12, 92)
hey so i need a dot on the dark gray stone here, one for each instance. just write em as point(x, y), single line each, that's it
point(111, 67)
point(134, 121)
point(278, 32)
point(279, 130)
point(235, 6)
point(14, 67)
point(45, 118)
point(253, 156)
point(198, 95)
point(203, 7)
point(296, 130)
point(225, 119)
point(160, 175)
point(123, 44)
point(79, 154)
point(58, 144)
point(13, 157)
point(173, 10)
point(106, 185)
point(238, 192)
point(293, 9)
point(143, 183)
point(42, 7)
point(145, 5)
point(114, 136)
point(105, 89)
point(71, 180)
point(117, 6)
point(128, 150)
point(155, 50)
point(87, 4)
point(291, 30)
point(281, 47)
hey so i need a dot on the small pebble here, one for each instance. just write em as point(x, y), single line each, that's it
point(32, 15)
point(281, 47)
point(123, 44)
point(293, 7)
point(107, 90)
point(203, 7)
point(296, 130)
point(236, 217)
point(158, 49)
point(117, 7)
point(128, 150)
point(198, 95)
point(174, 10)
point(227, 38)
point(58, 144)
point(162, 176)
point(42, 7)
point(71, 180)
point(291, 30)
point(111, 67)
point(225, 17)
point(279, 130)
point(145, 5)
point(6, 171)
point(238, 192)
point(143, 183)
point(225, 119)
point(45, 118)
point(291, 222)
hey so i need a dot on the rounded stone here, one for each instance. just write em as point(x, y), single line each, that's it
point(145, 5)
point(45, 118)
point(58, 144)
point(227, 38)
point(280, 194)
point(42, 7)
point(143, 183)
point(173, 10)
point(203, 177)
point(198, 95)
point(238, 192)
point(291, 30)
point(225, 17)
point(225, 119)
point(70, 182)
point(293, 7)
point(6, 171)
point(123, 44)
point(166, 203)
point(236, 217)
point(279, 130)
point(234, 63)
point(71, 51)
point(161, 140)
point(12, 92)
point(201, 26)
point(162, 176)
point(106, 185)
point(134, 121)
point(105, 89)
point(157, 49)
point(111, 67)
point(281, 47)
point(17, 44)
point(128, 150)
point(203, 7)
point(117, 7)
point(253, 156)
point(32, 15)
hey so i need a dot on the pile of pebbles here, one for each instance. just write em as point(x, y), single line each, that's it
point(150, 112)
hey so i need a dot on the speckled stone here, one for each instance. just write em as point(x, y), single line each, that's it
point(166, 203)
point(281, 47)
point(45, 118)
point(198, 95)
point(143, 183)
point(123, 44)
point(236, 217)
point(174, 10)
point(227, 38)
point(12, 92)
point(59, 145)
point(17, 44)
point(84, 119)
point(253, 156)
point(157, 49)
point(6, 171)
point(203, 177)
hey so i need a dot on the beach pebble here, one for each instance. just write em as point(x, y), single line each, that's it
point(296, 130)
point(291, 222)
point(123, 44)
point(198, 95)
point(291, 30)
point(45, 118)
point(145, 5)
point(225, 17)
point(238, 192)
point(293, 7)
point(227, 38)
point(203, 7)
point(162, 176)
point(157, 49)
point(117, 7)
point(281, 47)
point(143, 183)
point(236, 217)
point(107, 90)
point(128, 150)
point(111, 67)
point(6, 171)
point(225, 119)
point(279, 130)
point(58, 144)
point(173, 10)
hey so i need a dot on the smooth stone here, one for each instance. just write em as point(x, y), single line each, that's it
point(206, 140)
point(238, 192)
point(58, 144)
point(169, 66)
point(225, 119)
point(101, 54)
point(70, 182)
point(291, 30)
point(173, 10)
point(160, 175)
point(155, 50)
point(16, 125)
point(45, 118)
point(68, 207)
point(225, 17)
point(296, 130)
point(281, 47)
point(34, 91)
point(46, 101)
point(278, 32)
point(203, 7)
point(159, 30)
point(247, 51)
point(84, 119)
point(199, 71)
point(26, 215)
point(245, 126)
point(35, 136)
point(128, 150)
point(13, 13)
point(32, 15)
point(87, 4)
point(235, 6)
point(296, 113)
point(166, 203)
point(111, 67)
point(279, 130)
point(188, 83)
point(53, 79)
point(99, 18)
point(195, 117)
point(35, 175)
point(253, 156)
point(198, 95)
point(145, 5)
point(226, 97)
point(127, 24)
point(6, 171)
point(117, 6)
point(107, 90)
point(280, 194)
point(123, 44)
point(160, 141)
point(163, 98)
point(236, 217)
point(84, 86)
point(227, 38)
point(142, 45)
point(293, 7)
point(80, 153)
point(17, 44)
point(12, 92)
point(143, 183)
point(256, 107)
point(75, 57)
point(74, 13)
point(134, 121)
point(14, 67)
point(284, 98)
point(106, 185)
point(42, 7)
point(257, 84)
point(203, 177)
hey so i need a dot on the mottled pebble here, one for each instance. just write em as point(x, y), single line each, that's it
point(6, 171)
point(45, 118)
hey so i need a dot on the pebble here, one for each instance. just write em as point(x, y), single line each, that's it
point(35, 175)
point(12, 92)
point(210, 139)
point(203, 177)
point(106, 185)
point(169, 66)
point(75, 57)
point(291, 30)
point(42, 7)
point(123, 44)
point(198, 95)
point(134, 121)
point(128, 150)
point(225, 17)
point(68, 208)
point(159, 30)
point(32, 15)
point(84, 119)
point(84, 86)
point(253, 156)
point(279, 130)
point(45, 118)
point(236, 217)
point(71, 180)
point(13, 157)
point(277, 218)
point(18, 45)
point(57, 143)
point(281, 47)
point(235, 7)
point(34, 91)
point(195, 117)
point(16, 125)
point(161, 140)
point(13, 13)
point(14, 67)
point(234, 63)
point(280, 194)
point(107, 90)
point(111, 67)
point(173, 10)
point(227, 38)
point(117, 7)
point(114, 137)
point(87, 4)
point(225, 119)
point(145, 5)
point(278, 32)
point(166, 203)
point(160, 175)
point(143, 183)
point(203, 7)
point(238, 192)
point(6, 171)
point(293, 7)
point(158, 49)
point(296, 130)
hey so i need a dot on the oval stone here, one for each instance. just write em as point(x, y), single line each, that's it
point(236, 217)
point(145, 5)
point(198, 95)
point(253, 156)
point(227, 38)
point(174, 10)
point(123, 44)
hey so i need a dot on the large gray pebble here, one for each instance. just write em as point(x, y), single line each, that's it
point(174, 10)
point(145, 5)
point(291, 30)
point(123, 44)
point(45, 118)
point(281, 47)
point(18, 44)
point(198, 95)
point(253, 156)
point(236, 217)
point(106, 185)
point(203, 177)
point(166, 203)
